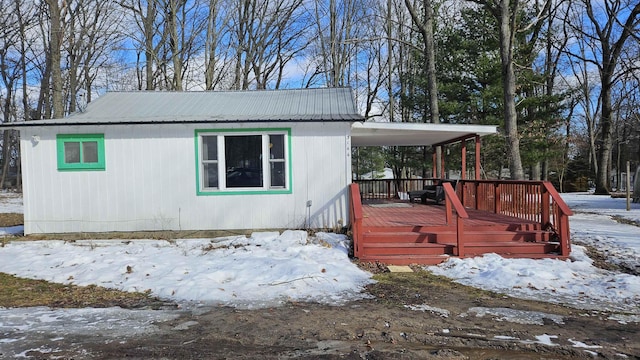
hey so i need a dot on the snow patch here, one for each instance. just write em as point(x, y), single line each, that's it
point(516, 316)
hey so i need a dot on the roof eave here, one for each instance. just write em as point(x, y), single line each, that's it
point(66, 122)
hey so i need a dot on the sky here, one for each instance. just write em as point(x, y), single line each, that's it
point(269, 268)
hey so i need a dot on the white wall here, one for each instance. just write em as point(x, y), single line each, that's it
point(150, 182)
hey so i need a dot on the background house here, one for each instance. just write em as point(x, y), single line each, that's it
point(191, 161)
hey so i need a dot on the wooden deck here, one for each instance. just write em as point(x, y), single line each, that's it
point(400, 233)
point(388, 213)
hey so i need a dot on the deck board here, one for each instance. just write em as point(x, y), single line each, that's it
point(390, 214)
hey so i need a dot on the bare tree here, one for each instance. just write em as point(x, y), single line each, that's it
point(606, 28)
point(265, 37)
point(216, 58)
point(425, 23)
point(339, 29)
point(589, 104)
point(146, 17)
point(93, 31)
point(10, 73)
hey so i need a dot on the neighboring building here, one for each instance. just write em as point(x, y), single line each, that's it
point(386, 174)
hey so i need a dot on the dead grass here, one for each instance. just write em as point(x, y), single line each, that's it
point(11, 219)
point(19, 292)
point(413, 288)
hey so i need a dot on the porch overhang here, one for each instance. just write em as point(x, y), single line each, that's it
point(414, 134)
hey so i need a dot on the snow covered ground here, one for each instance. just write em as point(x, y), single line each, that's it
point(268, 268)
point(576, 282)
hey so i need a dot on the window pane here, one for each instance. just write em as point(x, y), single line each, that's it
point(71, 152)
point(276, 146)
point(243, 157)
point(210, 148)
point(277, 174)
point(90, 152)
point(210, 175)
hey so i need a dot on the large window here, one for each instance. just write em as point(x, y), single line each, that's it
point(241, 161)
point(80, 152)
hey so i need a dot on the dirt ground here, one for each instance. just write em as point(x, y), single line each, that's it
point(381, 327)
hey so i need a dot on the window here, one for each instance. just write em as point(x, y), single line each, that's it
point(80, 152)
point(243, 161)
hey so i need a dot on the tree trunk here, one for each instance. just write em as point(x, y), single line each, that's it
point(426, 29)
point(507, 33)
point(211, 44)
point(606, 136)
point(174, 43)
point(149, 53)
point(54, 54)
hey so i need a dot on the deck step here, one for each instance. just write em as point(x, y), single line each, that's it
point(400, 237)
point(406, 259)
point(439, 228)
point(497, 235)
point(407, 249)
point(508, 248)
point(450, 235)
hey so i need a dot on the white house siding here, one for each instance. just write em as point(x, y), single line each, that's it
point(150, 182)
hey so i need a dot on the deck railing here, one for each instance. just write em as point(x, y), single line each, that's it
point(390, 188)
point(536, 201)
point(451, 201)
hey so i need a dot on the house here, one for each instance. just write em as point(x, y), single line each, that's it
point(138, 161)
point(191, 161)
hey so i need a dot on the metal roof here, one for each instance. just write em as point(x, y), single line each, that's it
point(413, 134)
point(151, 107)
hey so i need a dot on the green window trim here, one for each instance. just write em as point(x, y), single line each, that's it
point(80, 152)
point(202, 191)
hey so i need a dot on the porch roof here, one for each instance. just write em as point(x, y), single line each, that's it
point(413, 134)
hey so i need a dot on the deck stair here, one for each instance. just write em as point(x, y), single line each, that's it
point(409, 245)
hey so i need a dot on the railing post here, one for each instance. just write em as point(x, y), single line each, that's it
point(477, 202)
point(447, 211)
point(497, 195)
point(389, 189)
point(565, 245)
point(460, 238)
point(356, 217)
point(546, 206)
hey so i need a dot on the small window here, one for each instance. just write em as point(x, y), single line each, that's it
point(210, 161)
point(79, 152)
point(277, 161)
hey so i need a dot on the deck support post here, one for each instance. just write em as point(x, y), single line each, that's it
point(433, 165)
point(565, 246)
point(463, 158)
point(442, 171)
point(477, 157)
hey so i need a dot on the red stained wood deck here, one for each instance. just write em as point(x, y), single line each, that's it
point(401, 233)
